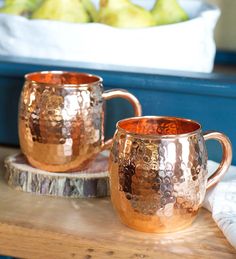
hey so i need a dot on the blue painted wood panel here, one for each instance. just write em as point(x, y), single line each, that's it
point(225, 57)
point(207, 98)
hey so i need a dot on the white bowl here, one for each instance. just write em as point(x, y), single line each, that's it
point(186, 46)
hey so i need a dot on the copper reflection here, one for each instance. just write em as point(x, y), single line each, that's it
point(61, 119)
point(158, 172)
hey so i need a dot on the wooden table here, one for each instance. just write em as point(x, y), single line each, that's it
point(45, 227)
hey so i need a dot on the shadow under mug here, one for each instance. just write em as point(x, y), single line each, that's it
point(61, 119)
point(158, 171)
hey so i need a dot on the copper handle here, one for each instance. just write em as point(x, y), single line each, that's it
point(226, 157)
point(120, 93)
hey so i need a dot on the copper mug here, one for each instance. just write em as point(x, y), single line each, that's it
point(158, 171)
point(61, 119)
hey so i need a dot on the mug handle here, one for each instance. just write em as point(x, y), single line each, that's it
point(120, 93)
point(226, 157)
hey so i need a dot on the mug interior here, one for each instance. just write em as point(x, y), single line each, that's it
point(158, 126)
point(62, 78)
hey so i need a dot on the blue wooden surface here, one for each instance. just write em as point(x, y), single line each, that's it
point(225, 57)
point(207, 98)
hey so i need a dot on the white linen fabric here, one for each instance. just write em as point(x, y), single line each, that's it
point(221, 201)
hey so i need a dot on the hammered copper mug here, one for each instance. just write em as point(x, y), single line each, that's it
point(61, 119)
point(158, 171)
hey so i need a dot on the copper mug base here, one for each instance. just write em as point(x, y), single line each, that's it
point(156, 226)
point(166, 221)
point(158, 172)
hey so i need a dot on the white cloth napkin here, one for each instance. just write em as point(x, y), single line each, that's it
point(221, 201)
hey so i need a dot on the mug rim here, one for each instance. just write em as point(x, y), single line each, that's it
point(160, 136)
point(28, 75)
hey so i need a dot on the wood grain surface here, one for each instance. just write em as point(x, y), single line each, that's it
point(34, 226)
point(92, 182)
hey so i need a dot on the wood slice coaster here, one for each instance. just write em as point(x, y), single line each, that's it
point(92, 182)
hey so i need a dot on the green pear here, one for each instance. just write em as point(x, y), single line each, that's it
point(168, 11)
point(19, 7)
point(30, 4)
point(91, 9)
point(62, 10)
point(124, 14)
point(13, 9)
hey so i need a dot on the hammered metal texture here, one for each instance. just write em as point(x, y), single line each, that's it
point(61, 126)
point(157, 182)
